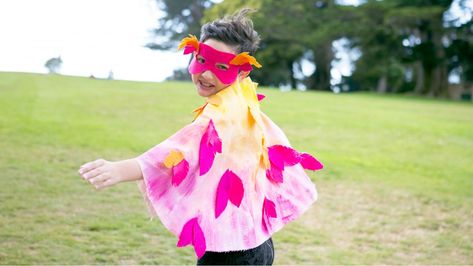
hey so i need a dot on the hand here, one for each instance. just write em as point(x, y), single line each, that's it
point(101, 173)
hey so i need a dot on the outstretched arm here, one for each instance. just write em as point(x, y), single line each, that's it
point(102, 173)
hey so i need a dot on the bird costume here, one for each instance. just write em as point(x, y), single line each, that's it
point(230, 179)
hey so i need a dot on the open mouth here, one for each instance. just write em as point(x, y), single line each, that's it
point(205, 85)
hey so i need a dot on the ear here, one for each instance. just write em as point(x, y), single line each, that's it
point(243, 74)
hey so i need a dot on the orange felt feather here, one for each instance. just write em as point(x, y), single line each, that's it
point(243, 58)
point(191, 40)
point(174, 157)
point(198, 111)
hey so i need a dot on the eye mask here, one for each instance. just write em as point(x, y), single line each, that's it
point(225, 66)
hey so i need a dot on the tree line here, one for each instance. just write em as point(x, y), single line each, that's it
point(403, 45)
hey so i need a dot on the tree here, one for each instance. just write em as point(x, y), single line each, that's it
point(380, 66)
point(325, 21)
point(422, 20)
point(180, 18)
point(180, 74)
point(405, 45)
point(288, 30)
point(460, 53)
point(54, 65)
point(277, 53)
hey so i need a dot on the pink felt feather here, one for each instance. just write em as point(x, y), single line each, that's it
point(179, 172)
point(222, 195)
point(246, 67)
point(189, 49)
point(270, 208)
point(210, 144)
point(187, 233)
point(230, 188)
point(309, 162)
point(192, 234)
point(269, 211)
point(236, 189)
point(279, 157)
point(274, 174)
point(199, 241)
point(282, 156)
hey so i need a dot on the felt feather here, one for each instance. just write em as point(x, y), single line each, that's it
point(310, 163)
point(192, 234)
point(210, 144)
point(179, 166)
point(222, 195)
point(179, 172)
point(187, 233)
point(236, 189)
point(260, 96)
point(269, 211)
point(245, 58)
point(199, 241)
point(198, 111)
point(281, 156)
point(190, 44)
point(230, 188)
point(274, 174)
point(173, 158)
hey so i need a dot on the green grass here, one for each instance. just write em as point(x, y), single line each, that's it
point(397, 187)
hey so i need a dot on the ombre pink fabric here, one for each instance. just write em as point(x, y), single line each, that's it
point(233, 202)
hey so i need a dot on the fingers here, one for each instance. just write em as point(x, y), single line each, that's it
point(98, 179)
point(108, 182)
point(95, 173)
point(91, 166)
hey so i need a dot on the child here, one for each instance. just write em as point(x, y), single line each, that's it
point(229, 180)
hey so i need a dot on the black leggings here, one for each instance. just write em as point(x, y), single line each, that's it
point(260, 255)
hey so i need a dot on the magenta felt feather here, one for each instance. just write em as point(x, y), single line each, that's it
point(275, 174)
point(269, 211)
point(230, 188)
point(210, 144)
point(260, 96)
point(179, 172)
point(310, 163)
point(281, 156)
point(192, 234)
point(189, 49)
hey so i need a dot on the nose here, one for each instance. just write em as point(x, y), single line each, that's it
point(207, 74)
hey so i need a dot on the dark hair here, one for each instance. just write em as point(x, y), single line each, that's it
point(236, 31)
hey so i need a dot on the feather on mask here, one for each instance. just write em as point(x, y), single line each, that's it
point(207, 58)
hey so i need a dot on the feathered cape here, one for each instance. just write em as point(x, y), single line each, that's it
point(230, 179)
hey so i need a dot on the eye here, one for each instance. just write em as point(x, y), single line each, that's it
point(200, 59)
point(222, 66)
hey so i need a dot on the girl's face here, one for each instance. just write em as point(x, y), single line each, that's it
point(206, 82)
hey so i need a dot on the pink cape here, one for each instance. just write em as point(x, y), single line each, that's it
point(230, 179)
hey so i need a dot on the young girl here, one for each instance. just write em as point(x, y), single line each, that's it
point(230, 179)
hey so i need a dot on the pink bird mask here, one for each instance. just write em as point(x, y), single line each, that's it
point(225, 66)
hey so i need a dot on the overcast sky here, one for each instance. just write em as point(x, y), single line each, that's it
point(94, 37)
point(91, 36)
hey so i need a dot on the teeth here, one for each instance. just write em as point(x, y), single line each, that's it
point(206, 84)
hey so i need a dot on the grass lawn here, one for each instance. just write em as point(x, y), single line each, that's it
point(397, 187)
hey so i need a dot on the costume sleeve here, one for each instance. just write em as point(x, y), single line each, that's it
point(166, 169)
